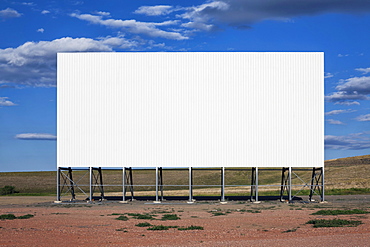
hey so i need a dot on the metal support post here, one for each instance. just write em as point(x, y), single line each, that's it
point(90, 185)
point(156, 185)
point(284, 182)
point(222, 184)
point(190, 184)
point(58, 185)
point(290, 183)
point(101, 183)
point(161, 181)
point(72, 188)
point(123, 184)
point(253, 182)
point(322, 185)
point(256, 184)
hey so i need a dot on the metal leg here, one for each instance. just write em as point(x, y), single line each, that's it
point(123, 184)
point(190, 184)
point(58, 185)
point(222, 184)
point(284, 182)
point(256, 184)
point(161, 182)
point(72, 188)
point(101, 183)
point(322, 185)
point(290, 183)
point(156, 185)
point(253, 183)
point(131, 183)
point(91, 182)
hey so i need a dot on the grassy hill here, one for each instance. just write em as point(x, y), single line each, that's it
point(345, 173)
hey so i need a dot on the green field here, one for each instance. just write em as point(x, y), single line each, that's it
point(342, 176)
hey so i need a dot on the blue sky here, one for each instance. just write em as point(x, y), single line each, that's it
point(33, 32)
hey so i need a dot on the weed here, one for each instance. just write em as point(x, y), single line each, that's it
point(122, 217)
point(158, 228)
point(340, 212)
point(217, 213)
point(291, 230)
point(170, 217)
point(7, 217)
point(121, 230)
point(12, 216)
point(27, 216)
point(254, 211)
point(144, 224)
point(190, 228)
point(334, 223)
point(8, 190)
point(142, 216)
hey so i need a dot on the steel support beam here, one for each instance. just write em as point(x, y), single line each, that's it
point(90, 184)
point(58, 185)
point(190, 184)
point(222, 184)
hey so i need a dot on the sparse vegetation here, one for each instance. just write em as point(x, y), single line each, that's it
point(190, 228)
point(334, 223)
point(170, 217)
point(122, 217)
point(340, 212)
point(142, 216)
point(144, 224)
point(13, 217)
point(291, 230)
point(158, 228)
point(8, 190)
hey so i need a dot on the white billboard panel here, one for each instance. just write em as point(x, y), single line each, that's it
point(214, 109)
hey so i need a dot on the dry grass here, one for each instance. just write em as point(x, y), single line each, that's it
point(343, 173)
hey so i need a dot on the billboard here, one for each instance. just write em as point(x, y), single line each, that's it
point(183, 109)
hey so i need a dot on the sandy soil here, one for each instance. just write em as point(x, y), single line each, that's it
point(270, 223)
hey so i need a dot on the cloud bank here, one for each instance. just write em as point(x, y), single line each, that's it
point(36, 136)
point(34, 63)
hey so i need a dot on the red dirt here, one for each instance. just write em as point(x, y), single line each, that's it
point(83, 224)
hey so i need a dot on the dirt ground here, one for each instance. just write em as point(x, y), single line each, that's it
point(236, 223)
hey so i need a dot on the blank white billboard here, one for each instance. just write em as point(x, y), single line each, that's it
point(203, 109)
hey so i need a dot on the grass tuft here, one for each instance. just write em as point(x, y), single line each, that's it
point(144, 224)
point(158, 228)
point(190, 228)
point(170, 217)
point(141, 216)
point(12, 216)
point(122, 217)
point(340, 212)
point(334, 223)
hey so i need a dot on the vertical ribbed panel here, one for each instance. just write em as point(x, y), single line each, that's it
point(190, 109)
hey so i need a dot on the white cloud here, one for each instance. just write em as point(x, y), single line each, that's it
point(328, 75)
point(363, 118)
point(154, 10)
point(355, 88)
point(133, 26)
point(44, 12)
point(364, 70)
point(335, 112)
point(9, 13)
point(34, 63)
point(243, 13)
point(355, 141)
point(5, 102)
point(40, 30)
point(347, 103)
point(36, 136)
point(336, 122)
point(102, 13)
